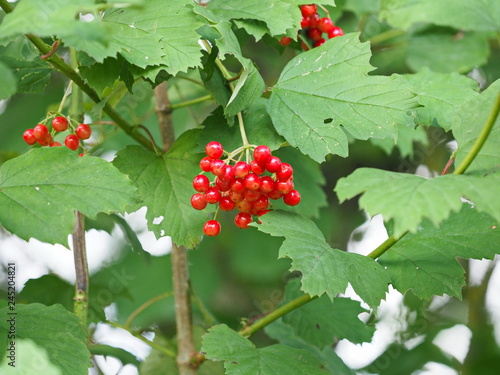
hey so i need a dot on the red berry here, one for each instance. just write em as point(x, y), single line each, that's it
point(236, 196)
point(226, 204)
point(252, 182)
point(59, 123)
point(222, 185)
point(285, 40)
point(29, 136)
point(244, 205)
point(237, 185)
point(305, 22)
point(212, 195)
point(319, 42)
point(55, 144)
point(228, 174)
point(325, 24)
point(292, 198)
point(314, 33)
point(252, 195)
point(257, 168)
point(205, 164)
point(336, 31)
point(83, 131)
point(198, 201)
point(285, 171)
point(275, 194)
point(261, 203)
point(214, 149)
point(241, 169)
point(284, 187)
point(242, 220)
point(72, 142)
point(314, 20)
point(263, 212)
point(218, 167)
point(40, 131)
point(211, 228)
point(261, 154)
point(201, 183)
point(46, 141)
point(308, 10)
point(266, 184)
point(273, 164)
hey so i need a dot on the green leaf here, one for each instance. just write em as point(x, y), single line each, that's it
point(54, 329)
point(468, 122)
point(308, 180)
point(165, 186)
point(285, 335)
point(326, 92)
point(29, 359)
point(324, 270)
point(147, 36)
point(241, 357)
point(406, 138)
point(408, 199)
point(426, 262)
point(441, 95)
point(102, 75)
point(456, 53)
point(46, 185)
point(466, 15)
point(52, 17)
point(119, 353)
point(8, 86)
point(321, 321)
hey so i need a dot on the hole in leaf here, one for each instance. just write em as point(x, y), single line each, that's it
point(327, 120)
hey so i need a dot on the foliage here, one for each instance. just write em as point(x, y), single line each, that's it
point(356, 117)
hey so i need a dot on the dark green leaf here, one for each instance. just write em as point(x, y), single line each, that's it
point(8, 86)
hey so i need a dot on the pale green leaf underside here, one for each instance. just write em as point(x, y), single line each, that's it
point(426, 262)
point(480, 15)
point(408, 199)
point(41, 189)
point(324, 270)
point(326, 92)
point(241, 357)
point(54, 329)
point(165, 186)
point(26, 350)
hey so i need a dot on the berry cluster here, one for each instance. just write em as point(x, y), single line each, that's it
point(242, 186)
point(313, 28)
point(42, 135)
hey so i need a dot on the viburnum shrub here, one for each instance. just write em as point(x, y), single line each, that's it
point(267, 187)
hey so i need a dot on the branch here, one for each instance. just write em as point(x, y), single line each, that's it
point(59, 64)
point(81, 269)
point(164, 113)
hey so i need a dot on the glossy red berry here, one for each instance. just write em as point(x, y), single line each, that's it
point(214, 150)
point(211, 228)
point(237, 185)
point(285, 171)
point(252, 195)
point(261, 203)
point(46, 141)
point(314, 33)
point(55, 144)
point(336, 31)
point(244, 205)
point(305, 22)
point(212, 195)
point(273, 164)
point(83, 131)
point(241, 169)
point(228, 174)
point(29, 137)
point(226, 204)
point(257, 168)
point(308, 10)
point(275, 194)
point(40, 131)
point(266, 184)
point(252, 182)
point(205, 164)
point(325, 24)
point(236, 196)
point(292, 198)
point(284, 187)
point(261, 154)
point(319, 42)
point(72, 142)
point(59, 123)
point(198, 201)
point(314, 21)
point(222, 185)
point(242, 220)
point(285, 40)
point(218, 167)
point(201, 183)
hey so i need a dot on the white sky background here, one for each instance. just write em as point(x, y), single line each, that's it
point(34, 259)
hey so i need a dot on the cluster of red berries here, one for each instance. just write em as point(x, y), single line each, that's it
point(42, 135)
point(244, 186)
point(313, 27)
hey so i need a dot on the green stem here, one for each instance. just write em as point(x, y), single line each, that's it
point(59, 64)
point(386, 35)
point(144, 306)
point(152, 344)
point(276, 314)
point(386, 245)
point(188, 103)
point(483, 136)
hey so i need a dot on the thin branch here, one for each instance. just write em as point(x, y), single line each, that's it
point(81, 269)
point(164, 114)
point(144, 306)
point(191, 102)
point(483, 136)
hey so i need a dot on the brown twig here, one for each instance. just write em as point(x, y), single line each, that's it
point(54, 47)
point(164, 114)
